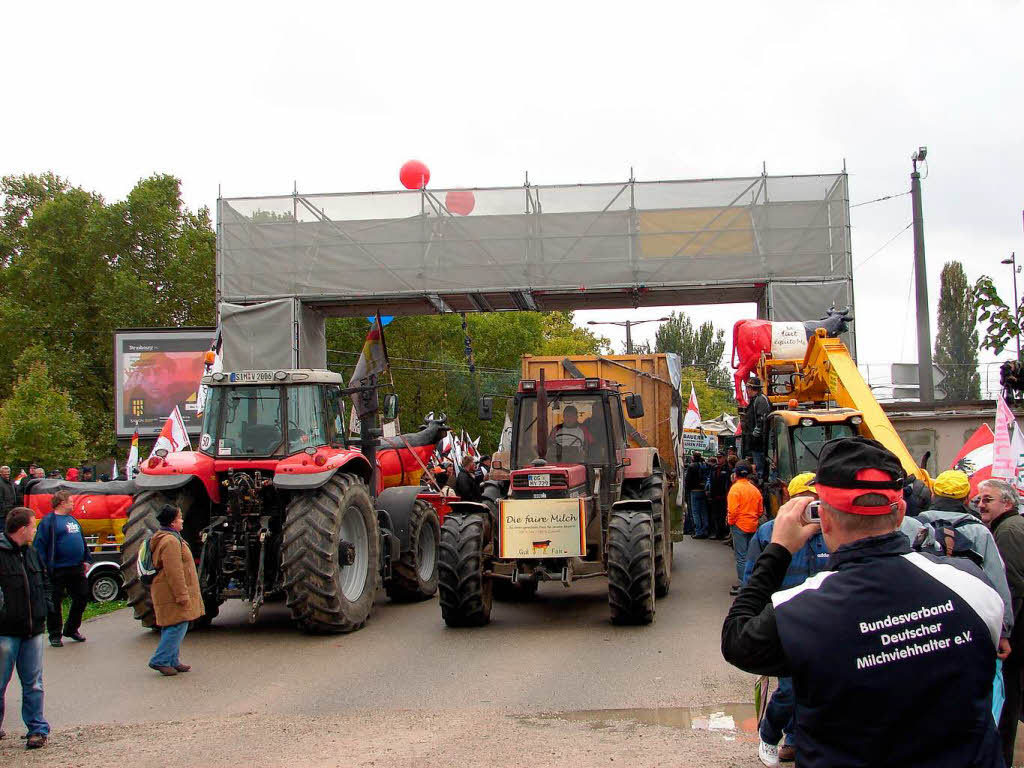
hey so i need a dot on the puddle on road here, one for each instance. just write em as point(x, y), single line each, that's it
point(728, 718)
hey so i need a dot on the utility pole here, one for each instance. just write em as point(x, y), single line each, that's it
point(926, 386)
point(1012, 261)
point(628, 325)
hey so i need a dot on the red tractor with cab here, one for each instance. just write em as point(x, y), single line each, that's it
point(578, 504)
point(279, 504)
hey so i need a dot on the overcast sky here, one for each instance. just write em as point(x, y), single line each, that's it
point(250, 97)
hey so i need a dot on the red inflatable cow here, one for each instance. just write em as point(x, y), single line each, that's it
point(779, 340)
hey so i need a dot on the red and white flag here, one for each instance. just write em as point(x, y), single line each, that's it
point(173, 436)
point(372, 363)
point(975, 458)
point(692, 418)
point(1004, 463)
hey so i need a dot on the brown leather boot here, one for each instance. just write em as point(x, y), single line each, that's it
point(36, 741)
point(168, 671)
point(787, 753)
point(182, 667)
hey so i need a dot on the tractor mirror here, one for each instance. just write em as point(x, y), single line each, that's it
point(485, 412)
point(389, 408)
point(634, 406)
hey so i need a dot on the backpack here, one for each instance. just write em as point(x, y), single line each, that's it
point(951, 541)
point(144, 562)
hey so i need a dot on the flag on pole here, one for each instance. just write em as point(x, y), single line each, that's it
point(692, 418)
point(132, 466)
point(212, 363)
point(1017, 449)
point(173, 436)
point(113, 471)
point(372, 363)
point(975, 458)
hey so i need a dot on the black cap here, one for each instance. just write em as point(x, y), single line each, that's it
point(839, 462)
point(754, 383)
point(742, 469)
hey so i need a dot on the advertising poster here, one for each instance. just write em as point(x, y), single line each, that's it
point(156, 370)
point(553, 528)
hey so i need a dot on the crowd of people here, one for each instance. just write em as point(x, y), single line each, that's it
point(888, 610)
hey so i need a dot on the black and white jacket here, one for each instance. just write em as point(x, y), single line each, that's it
point(892, 654)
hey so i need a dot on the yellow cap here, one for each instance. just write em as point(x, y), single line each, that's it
point(953, 484)
point(802, 483)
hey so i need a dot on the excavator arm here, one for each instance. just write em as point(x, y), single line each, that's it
point(827, 372)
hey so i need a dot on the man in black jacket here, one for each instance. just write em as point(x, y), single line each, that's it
point(754, 437)
point(24, 602)
point(466, 486)
point(892, 652)
point(8, 494)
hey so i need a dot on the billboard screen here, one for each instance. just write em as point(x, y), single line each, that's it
point(154, 371)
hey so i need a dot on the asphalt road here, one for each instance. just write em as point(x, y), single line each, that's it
point(557, 653)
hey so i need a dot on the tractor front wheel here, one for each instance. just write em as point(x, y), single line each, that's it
point(414, 576)
point(631, 567)
point(652, 489)
point(330, 555)
point(466, 593)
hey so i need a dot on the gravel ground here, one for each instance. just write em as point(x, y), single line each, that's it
point(387, 738)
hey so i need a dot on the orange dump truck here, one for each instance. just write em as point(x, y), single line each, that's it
point(647, 375)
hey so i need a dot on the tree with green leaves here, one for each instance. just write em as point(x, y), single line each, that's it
point(956, 339)
point(700, 347)
point(73, 268)
point(38, 424)
point(430, 368)
point(1004, 323)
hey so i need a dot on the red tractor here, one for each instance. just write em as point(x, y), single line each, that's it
point(278, 503)
point(578, 504)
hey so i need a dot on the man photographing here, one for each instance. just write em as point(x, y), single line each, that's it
point(892, 652)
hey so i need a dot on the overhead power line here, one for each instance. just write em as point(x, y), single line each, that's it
point(884, 245)
point(880, 199)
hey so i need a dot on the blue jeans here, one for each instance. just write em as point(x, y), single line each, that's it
point(780, 714)
point(740, 542)
point(25, 653)
point(699, 511)
point(166, 653)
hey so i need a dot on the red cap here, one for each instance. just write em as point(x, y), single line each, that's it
point(845, 499)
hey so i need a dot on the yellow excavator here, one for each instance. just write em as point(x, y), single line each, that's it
point(816, 399)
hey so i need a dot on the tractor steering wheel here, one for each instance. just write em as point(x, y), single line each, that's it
point(569, 441)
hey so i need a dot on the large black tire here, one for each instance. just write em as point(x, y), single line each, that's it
point(652, 488)
point(466, 594)
point(631, 567)
point(323, 595)
point(140, 524)
point(414, 576)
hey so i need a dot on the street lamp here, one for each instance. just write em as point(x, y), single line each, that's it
point(1012, 261)
point(628, 325)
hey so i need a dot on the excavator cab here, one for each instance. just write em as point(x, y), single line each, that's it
point(795, 439)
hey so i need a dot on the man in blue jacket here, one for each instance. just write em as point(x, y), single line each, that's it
point(780, 714)
point(885, 638)
point(62, 548)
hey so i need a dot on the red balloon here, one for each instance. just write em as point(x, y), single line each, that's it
point(414, 175)
point(460, 201)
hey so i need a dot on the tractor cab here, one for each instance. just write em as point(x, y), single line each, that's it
point(271, 414)
point(567, 433)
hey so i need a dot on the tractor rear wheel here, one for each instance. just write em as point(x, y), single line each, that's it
point(414, 576)
point(631, 567)
point(652, 489)
point(466, 593)
point(141, 524)
point(323, 530)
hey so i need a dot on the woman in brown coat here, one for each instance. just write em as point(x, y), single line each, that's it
point(175, 590)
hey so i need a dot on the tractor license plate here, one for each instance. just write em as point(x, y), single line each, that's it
point(539, 481)
point(251, 377)
point(540, 528)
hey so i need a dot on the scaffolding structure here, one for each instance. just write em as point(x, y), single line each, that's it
point(782, 242)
